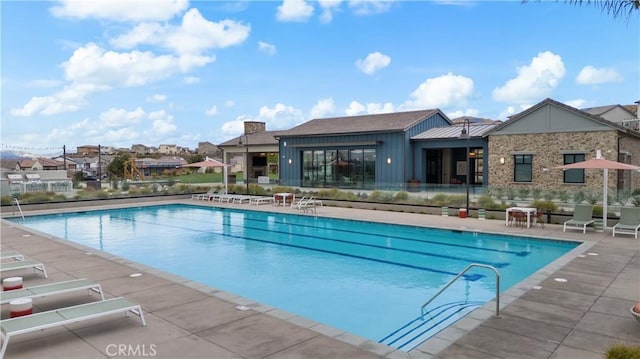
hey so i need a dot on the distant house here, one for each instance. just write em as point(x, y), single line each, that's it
point(140, 149)
point(617, 114)
point(166, 149)
point(250, 152)
point(208, 149)
point(153, 166)
point(87, 151)
point(40, 164)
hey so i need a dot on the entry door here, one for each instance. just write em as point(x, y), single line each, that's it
point(434, 166)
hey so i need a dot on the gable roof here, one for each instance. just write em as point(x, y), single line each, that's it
point(387, 122)
point(568, 108)
point(453, 132)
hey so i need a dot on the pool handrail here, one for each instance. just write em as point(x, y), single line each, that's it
point(460, 275)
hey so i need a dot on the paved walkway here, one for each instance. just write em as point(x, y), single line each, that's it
point(539, 318)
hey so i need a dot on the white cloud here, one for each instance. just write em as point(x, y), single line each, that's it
point(212, 111)
point(323, 108)
point(267, 48)
point(190, 80)
point(459, 113)
point(372, 108)
point(71, 98)
point(45, 83)
point(156, 98)
point(373, 62)
point(577, 103)
point(119, 117)
point(280, 116)
point(370, 7)
point(194, 36)
point(533, 82)
point(443, 91)
point(355, 108)
point(294, 11)
point(590, 75)
point(130, 10)
point(229, 103)
point(162, 122)
point(328, 7)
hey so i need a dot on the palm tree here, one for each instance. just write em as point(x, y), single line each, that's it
point(615, 8)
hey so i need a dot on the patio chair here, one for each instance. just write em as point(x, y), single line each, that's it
point(50, 289)
point(206, 195)
point(306, 205)
point(27, 263)
point(12, 255)
point(581, 218)
point(629, 221)
point(63, 316)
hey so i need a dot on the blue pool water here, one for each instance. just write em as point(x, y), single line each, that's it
point(366, 278)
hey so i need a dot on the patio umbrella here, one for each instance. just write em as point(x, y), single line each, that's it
point(211, 163)
point(603, 164)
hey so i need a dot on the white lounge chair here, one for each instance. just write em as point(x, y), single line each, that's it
point(207, 195)
point(629, 221)
point(581, 218)
point(258, 200)
point(307, 205)
point(28, 263)
point(12, 255)
point(55, 318)
point(50, 289)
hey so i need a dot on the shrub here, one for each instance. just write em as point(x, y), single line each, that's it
point(379, 196)
point(549, 195)
point(545, 206)
point(592, 197)
point(401, 196)
point(579, 197)
point(563, 196)
point(622, 351)
point(635, 200)
point(523, 193)
point(536, 193)
point(511, 194)
point(488, 203)
point(498, 192)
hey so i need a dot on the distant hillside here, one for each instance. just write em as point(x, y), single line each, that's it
point(10, 155)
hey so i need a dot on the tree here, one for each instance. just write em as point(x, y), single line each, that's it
point(615, 8)
point(116, 167)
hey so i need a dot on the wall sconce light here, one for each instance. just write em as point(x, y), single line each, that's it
point(284, 143)
point(388, 160)
point(501, 160)
point(289, 161)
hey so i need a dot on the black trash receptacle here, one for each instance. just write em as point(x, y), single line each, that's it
point(231, 179)
point(94, 184)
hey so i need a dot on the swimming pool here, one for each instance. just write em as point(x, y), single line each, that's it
point(365, 278)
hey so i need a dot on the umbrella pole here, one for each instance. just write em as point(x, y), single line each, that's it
point(604, 198)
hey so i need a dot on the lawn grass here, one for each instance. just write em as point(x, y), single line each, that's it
point(201, 178)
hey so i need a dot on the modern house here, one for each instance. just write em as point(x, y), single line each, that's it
point(359, 152)
point(524, 150)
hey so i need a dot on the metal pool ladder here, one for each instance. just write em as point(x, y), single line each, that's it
point(460, 275)
point(19, 209)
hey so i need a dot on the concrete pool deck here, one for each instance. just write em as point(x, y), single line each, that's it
point(539, 318)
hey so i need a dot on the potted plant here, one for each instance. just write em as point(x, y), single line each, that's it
point(635, 311)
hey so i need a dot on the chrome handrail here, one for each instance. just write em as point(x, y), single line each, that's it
point(19, 209)
point(460, 275)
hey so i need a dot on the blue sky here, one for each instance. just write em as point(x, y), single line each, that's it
point(118, 73)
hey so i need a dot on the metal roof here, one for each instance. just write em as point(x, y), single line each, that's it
point(454, 132)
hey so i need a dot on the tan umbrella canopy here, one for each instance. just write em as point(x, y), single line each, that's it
point(211, 163)
point(603, 164)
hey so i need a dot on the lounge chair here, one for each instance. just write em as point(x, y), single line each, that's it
point(581, 218)
point(207, 195)
point(12, 255)
point(258, 200)
point(50, 289)
point(629, 221)
point(54, 318)
point(307, 205)
point(27, 263)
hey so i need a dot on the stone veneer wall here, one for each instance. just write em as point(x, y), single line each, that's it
point(631, 145)
point(547, 151)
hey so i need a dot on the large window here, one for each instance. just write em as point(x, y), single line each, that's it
point(522, 170)
point(574, 175)
point(345, 168)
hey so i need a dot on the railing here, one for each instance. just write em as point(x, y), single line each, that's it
point(460, 275)
point(19, 209)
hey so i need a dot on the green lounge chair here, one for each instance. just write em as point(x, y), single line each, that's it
point(50, 289)
point(629, 221)
point(581, 218)
point(37, 266)
point(54, 318)
point(12, 255)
